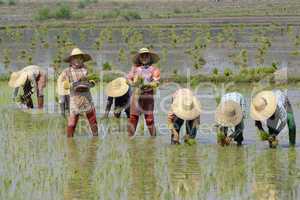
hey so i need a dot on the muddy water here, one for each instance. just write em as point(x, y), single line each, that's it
point(39, 162)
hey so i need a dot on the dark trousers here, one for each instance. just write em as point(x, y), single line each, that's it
point(191, 128)
point(291, 126)
point(64, 104)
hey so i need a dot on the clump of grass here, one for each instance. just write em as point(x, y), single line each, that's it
point(114, 14)
point(43, 14)
point(83, 3)
point(106, 66)
point(263, 135)
point(228, 72)
point(62, 12)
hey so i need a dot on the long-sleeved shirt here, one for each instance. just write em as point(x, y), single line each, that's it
point(149, 74)
point(120, 102)
point(279, 119)
point(238, 98)
point(31, 79)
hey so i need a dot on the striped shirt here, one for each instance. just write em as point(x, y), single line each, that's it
point(280, 116)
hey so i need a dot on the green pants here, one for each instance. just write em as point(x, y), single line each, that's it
point(292, 128)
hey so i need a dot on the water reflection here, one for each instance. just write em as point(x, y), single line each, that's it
point(80, 166)
point(142, 158)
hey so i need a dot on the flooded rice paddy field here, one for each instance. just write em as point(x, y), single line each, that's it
point(39, 162)
point(221, 46)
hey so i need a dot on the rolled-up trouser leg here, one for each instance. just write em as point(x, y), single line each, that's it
point(62, 109)
point(62, 105)
point(40, 102)
point(127, 111)
point(29, 102)
point(292, 128)
point(67, 102)
point(40, 92)
point(72, 122)
point(177, 124)
point(91, 116)
point(149, 117)
point(133, 121)
point(238, 134)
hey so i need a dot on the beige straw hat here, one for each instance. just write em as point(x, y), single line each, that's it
point(154, 57)
point(18, 79)
point(263, 105)
point(229, 113)
point(186, 107)
point(117, 87)
point(77, 52)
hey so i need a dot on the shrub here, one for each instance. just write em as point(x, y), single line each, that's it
point(128, 15)
point(63, 12)
point(110, 14)
point(43, 14)
point(131, 15)
point(82, 4)
point(11, 2)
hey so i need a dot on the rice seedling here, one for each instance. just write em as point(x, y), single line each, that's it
point(263, 135)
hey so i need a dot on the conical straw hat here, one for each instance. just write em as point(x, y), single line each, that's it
point(154, 57)
point(229, 114)
point(117, 87)
point(18, 79)
point(263, 105)
point(186, 107)
point(77, 52)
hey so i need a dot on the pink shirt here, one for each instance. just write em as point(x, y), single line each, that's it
point(149, 73)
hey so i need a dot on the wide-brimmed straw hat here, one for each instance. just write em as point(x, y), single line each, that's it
point(77, 52)
point(153, 56)
point(229, 113)
point(263, 105)
point(18, 79)
point(186, 107)
point(117, 87)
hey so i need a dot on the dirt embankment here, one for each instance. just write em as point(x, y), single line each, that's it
point(159, 11)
